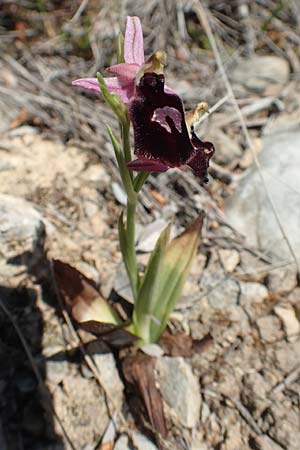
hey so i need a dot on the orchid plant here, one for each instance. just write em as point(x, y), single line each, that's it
point(163, 139)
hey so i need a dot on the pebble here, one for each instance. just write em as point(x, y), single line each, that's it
point(110, 377)
point(290, 322)
point(269, 329)
point(259, 72)
point(150, 234)
point(252, 297)
point(282, 280)
point(56, 371)
point(228, 149)
point(122, 283)
point(119, 193)
point(22, 235)
point(142, 441)
point(222, 292)
point(249, 210)
point(180, 389)
point(97, 176)
point(230, 258)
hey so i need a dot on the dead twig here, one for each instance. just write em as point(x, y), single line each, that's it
point(79, 11)
point(292, 376)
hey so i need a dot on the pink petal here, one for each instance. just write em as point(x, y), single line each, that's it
point(147, 165)
point(133, 41)
point(125, 91)
point(87, 83)
point(126, 71)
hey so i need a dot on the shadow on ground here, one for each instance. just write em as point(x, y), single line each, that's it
point(26, 419)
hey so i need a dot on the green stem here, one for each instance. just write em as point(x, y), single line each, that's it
point(132, 187)
point(124, 172)
point(126, 141)
point(131, 254)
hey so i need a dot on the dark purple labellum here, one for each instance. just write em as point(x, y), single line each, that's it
point(161, 137)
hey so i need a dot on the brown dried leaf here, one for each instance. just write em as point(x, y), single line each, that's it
point(177, 345)
point(88, 308)
point(138, 370)
point(183, 344)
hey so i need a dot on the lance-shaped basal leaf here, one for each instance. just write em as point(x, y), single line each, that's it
point(146, 303)
point(162, 285)
point(176, 267)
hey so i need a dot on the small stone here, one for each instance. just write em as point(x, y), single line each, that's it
point(142, 441)
point(180, 389)
point(252, 298)
point(154, 350)
point(97, 176)
point(228, 149)
point(89, 271)
point(233, 439)
point(205, 412)
point(198, 441)
point(282, 280)
point(56, 371)
point(222, 292)
point(122, 283)
point(22, 235)
point(148, 238)
point(290, 322)
point(228, 385)
point(248, 155)
point(255, 390)
point(249, 210)
point(284, 420)
point(119, 193)
point(110, 377)
point(287, 356)
point(229, 258)
point(269, 329)
point(259, 72)
point(82, 409)
point(294, 299)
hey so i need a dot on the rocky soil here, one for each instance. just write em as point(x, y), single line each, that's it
point(60, 197)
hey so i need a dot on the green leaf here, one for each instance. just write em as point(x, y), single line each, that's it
point(145, 305)
point(114, 101)
point(166, 273)
point(177, 263)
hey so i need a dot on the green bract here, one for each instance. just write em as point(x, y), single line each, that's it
point(114, 102)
